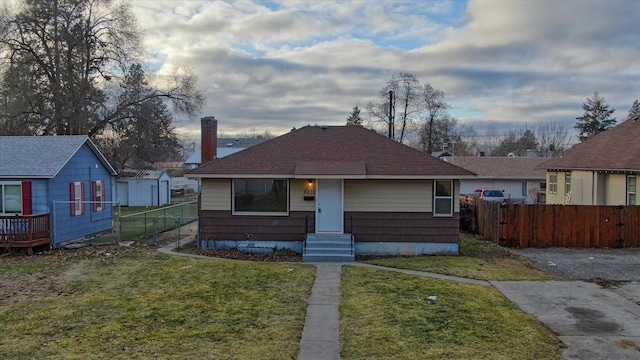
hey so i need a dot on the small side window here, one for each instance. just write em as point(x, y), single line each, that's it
point(443, 198)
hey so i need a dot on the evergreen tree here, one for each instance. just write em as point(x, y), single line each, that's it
point(596, 117)
point(634, 112)
point(354, 118)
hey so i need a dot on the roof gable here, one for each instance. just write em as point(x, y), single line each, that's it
point(331, 150)
point(617, 149)
point(42, 156)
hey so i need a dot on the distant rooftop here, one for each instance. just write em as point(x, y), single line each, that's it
point(226, 147)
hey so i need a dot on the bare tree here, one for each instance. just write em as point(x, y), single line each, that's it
point(553, 138)
point(434, 109)
point(77, 55)
point(447, 132)
point(405, 91)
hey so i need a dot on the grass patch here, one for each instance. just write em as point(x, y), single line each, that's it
point(478, 259)
point(387, 315)
point(124, 303)
point(140, 222)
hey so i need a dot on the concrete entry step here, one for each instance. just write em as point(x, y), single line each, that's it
point(328, 248)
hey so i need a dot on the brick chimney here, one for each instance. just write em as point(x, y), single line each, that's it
point(209, 138)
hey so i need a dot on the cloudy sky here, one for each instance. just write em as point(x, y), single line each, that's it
point(273, 65)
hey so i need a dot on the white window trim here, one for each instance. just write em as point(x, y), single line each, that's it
point(2, 184)
point(258, 213)
point(77, 200)
point(453, 190)
point(636, 190)
point(99, 195)
point(567, 184)
point(552, 187)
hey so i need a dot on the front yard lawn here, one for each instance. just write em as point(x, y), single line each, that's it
point(478, 259)
point(386, 315)
point(109, 301)
point(112, 302)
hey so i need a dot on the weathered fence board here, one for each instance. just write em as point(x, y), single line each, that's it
point(538, 225)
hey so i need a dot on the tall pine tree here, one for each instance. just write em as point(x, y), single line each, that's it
point(354, 118)
point(634, 112)
point(596, 117)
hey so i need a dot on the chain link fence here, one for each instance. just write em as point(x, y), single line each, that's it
point(158, 226)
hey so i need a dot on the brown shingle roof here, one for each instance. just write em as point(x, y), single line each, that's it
point(331, 150)
point(617, 149)
point(501, 167)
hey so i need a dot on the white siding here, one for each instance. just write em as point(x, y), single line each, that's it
point(389, 195)
point(216, 194)
point(512, 188)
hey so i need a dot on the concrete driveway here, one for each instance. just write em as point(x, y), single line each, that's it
point(594, 322)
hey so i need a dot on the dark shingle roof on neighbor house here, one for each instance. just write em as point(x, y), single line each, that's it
point(491, 167)
point(617, 149)
point(140, 174)
point(41, 156)
point(340, 151)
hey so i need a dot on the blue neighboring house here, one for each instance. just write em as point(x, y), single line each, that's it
point(64, 177)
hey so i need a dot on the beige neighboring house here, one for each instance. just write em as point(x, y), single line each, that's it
point(603, 170)
point(518, 177)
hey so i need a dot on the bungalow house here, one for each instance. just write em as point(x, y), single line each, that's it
point(143, 187)
point(330, 192)
point(602, 170)
point(518, 177)
point(52, 189)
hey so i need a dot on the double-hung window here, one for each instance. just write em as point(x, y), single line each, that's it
point(553, 183)
point(77, 198)
point(10, 198)
point(443, 198)
point(567, 183)
point(97, 188)
point(631, 190)
point(260, 196)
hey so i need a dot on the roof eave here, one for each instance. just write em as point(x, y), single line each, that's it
point(592, 169)
point(23, 177)
point(330, 176)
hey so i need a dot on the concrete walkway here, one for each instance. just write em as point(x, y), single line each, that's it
point(321, 334)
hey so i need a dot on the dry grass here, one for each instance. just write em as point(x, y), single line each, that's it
point(386, 315)
point(136, 303)
point(477, 260)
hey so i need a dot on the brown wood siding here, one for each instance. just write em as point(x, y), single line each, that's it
point(367, 227)
point(221, 225)
point(402, 227)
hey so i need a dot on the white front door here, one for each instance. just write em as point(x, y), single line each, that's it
point(329, 209)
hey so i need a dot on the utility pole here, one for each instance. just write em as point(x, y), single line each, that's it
point(391, 109)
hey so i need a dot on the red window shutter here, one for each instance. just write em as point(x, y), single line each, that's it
point(82, 199)
point(94, 195)
point(27, 208)
point(72, 205)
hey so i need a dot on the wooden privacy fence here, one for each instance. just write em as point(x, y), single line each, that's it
point(538, 225)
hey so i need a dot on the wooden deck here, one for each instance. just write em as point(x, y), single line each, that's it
point(25, 231)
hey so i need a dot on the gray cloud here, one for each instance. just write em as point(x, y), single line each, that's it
point(501, 62)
